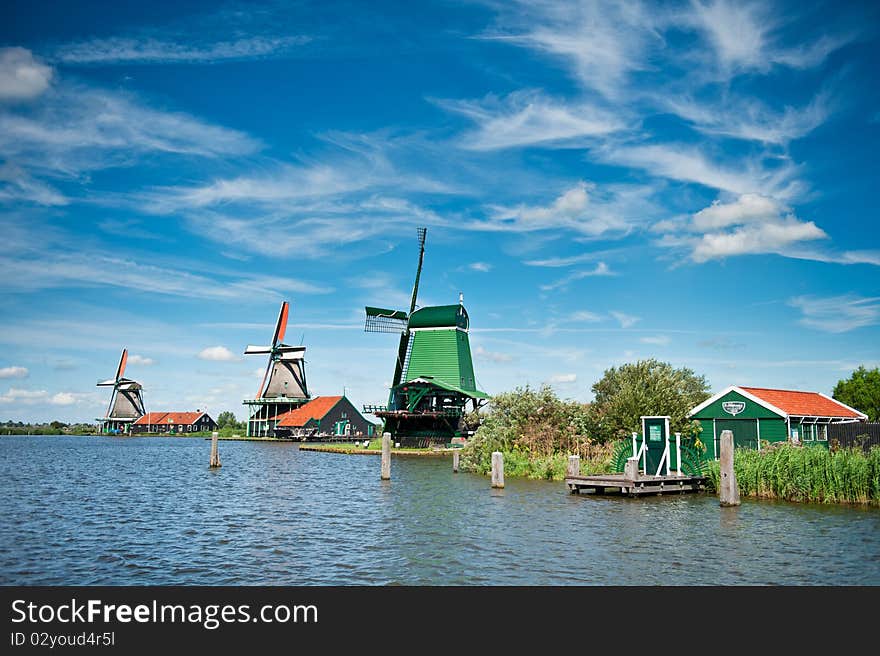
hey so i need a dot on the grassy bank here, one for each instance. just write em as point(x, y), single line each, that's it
point(807, 474)
point(595, 459)
point(374, 448)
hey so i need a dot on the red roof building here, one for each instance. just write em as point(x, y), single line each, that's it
point(323, 416)
point(804, 404)
point(174, 422)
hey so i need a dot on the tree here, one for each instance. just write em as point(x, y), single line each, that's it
point(225, 419)
point(861, 391)
point(646, 387)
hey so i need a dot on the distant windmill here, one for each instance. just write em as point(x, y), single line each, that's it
point(126, 400)
point(283, 386)
point(433, 374)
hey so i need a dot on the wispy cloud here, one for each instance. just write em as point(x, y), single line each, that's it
point(481, 353)
point(527, 118)
point(837, 314)
point(656, 340)
point(16, 185)
point(150, 50)
point(22, 76)
point(625, 320)
point(744, 37)
point(141, 360)
point(601, 269)
point(17, 396)
point(13, 372)
point(217, 354)
point(482, 267)
point(602, 42)
point(562, 379)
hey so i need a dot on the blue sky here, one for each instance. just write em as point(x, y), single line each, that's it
point(604, 181)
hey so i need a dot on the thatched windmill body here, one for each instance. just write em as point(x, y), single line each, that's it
point(126, 401)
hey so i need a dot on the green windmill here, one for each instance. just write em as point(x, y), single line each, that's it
point(433, 373)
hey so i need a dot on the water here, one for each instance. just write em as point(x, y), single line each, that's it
point(144, 511)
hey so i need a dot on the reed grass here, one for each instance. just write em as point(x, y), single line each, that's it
point(808, 474)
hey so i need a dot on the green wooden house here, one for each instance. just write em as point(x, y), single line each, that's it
point(758, 414)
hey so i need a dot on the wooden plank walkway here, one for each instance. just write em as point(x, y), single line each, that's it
point(619, 484)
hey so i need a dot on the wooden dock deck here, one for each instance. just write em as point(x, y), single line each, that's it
point(620, 484)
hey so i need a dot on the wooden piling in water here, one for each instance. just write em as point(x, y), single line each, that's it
point(729, 490)
point(386, 457)
point(574, 466)
point(497, 469)
point(455, 461)
point(215, 453)
point(631, 469)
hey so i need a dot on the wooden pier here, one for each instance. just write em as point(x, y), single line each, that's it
point(641, 485)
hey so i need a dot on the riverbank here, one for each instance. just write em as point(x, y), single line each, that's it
point(352, 449)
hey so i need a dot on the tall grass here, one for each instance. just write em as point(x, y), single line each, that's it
point(806, 474)
point(595, 459)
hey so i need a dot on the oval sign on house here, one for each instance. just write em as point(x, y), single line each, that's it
point(733, 407)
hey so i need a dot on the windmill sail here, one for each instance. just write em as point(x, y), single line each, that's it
point(126, 400)
point(285, 375)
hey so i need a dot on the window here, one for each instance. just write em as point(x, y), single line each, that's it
point(808, 432)
point(823, 433)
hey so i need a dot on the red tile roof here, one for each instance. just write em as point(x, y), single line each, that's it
point(169, 418)
point(802, 404)
point(314, 409)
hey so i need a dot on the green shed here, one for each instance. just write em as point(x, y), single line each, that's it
point(760, 414)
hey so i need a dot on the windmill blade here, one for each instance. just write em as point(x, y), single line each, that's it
point(265, 376)
point(106, 383)
point(286, 348)
point(288, 356)
point(415, 292)
point(122, 362)
point(251, 349)
point(281, 325)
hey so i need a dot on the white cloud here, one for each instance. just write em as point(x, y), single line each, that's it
point(602, 42)
point(119, 50)
point(76, 129)
point(141, 360)
point(657, 340)
point(601, 269)
point(750, 119)
point(625, 320)
point(23, 396)
point(837, 314)
point(756, 239)
point(17, 185)
point(585, 209)
point(63, 398)
point(562, 379)
point(742, 35)
point(748, 208)
point(584, 315)
point(555, 262)
point(482, 267)
point(217, 354)
point(526, 118)
point(751, 224)
point(14, 372)
point(22, 77)
point(482, 354)
point(688, 164)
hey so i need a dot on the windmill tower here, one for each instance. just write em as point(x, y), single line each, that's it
point(283, 387)
point(433, 373)
point(126, 401)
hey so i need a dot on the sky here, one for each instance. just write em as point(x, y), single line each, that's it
point(603, 181)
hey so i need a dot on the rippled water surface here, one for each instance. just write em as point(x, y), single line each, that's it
point(132, 511)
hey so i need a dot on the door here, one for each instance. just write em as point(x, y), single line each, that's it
point(655, 431)
point(745, 433)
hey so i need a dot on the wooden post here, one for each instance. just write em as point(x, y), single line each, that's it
point(386, 457)
point(729, 490)
point(455, 461)
point(497, 469)
point(574, 466)
point(215, 454)
point(678, 452)
point(631, 469)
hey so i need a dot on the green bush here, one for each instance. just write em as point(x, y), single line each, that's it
point(536, 432)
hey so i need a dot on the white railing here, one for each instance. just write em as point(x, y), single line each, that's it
point(642, 452)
